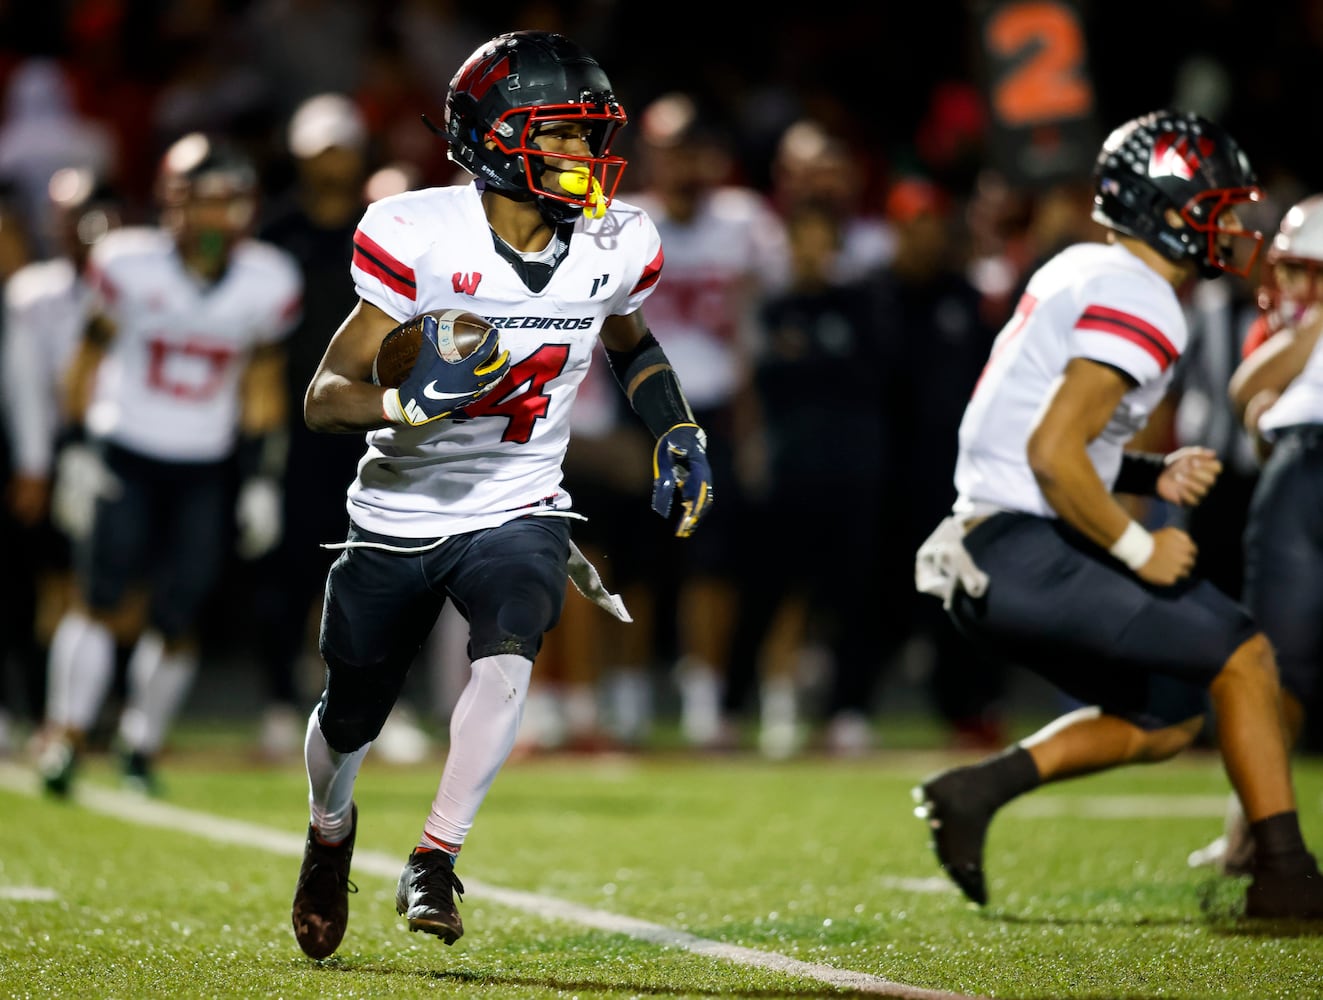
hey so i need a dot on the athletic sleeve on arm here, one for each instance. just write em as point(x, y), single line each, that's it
point(387, 245)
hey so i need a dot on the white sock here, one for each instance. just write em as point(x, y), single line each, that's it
point(579, 707)
point(778, 703)
point(777, 733)
point(80, 668)
point(158, 684)
point(331, 777)
point(483, 727)
point(631, 703)
point(700, 701)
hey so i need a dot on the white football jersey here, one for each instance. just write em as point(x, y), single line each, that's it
point(168, 387)
point(1301, 402)
point(426, 250)
point(1095, 301)
point(46, 310)
point(719, 266)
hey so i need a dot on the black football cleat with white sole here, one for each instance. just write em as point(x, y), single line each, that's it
point(321, 898)
point(426, 894)
point(958, 823)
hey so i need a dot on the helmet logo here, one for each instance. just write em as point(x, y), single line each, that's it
point(478, 77)
point(1179, 155)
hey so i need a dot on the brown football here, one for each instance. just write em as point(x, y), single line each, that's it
point(459, 333)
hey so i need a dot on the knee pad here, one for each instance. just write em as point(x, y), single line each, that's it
point(349, 720)
point(518, 620)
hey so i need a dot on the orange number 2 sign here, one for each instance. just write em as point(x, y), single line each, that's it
point(1040, 46)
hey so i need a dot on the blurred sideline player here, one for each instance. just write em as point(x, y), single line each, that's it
point(726, 249)
point(593, 689)
point(314, 222)
point(47, 304)
point(933, 319)
point(813, 166)
point(1278, 392)
point(459, 497)
point(179, 371)
point(1041, 564)
point(819, 330)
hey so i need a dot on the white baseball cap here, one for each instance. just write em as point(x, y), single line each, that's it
point(326, 121)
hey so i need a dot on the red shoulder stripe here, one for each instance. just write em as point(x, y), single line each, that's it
point(1131, 328)
point(370, 258)
point(650, 273)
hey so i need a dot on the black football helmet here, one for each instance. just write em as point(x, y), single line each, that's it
point(508, 90)
point(208, 189)
point(1177, 160)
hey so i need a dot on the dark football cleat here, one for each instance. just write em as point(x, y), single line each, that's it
point(57, 765)
point(139, 773)
point(321, 898)
point(1275, 895)
point(959, 827)
point(426, 895)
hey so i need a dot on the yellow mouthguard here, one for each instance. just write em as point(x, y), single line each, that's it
point(579, 181)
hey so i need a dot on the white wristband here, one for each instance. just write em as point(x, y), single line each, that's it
point(391, 408)
point(1134, 547)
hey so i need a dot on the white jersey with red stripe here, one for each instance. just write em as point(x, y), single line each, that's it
point(719, 265)
point(168, 387)
point(46, 310)
point(1094, 301)
point(426, 250)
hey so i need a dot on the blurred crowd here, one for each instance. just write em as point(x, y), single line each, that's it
point(840, 253)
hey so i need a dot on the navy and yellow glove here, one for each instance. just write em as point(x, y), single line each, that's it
point(680, 461)
point(437, 388)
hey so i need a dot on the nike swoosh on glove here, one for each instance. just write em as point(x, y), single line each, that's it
point(680, 461)
point(436, 387)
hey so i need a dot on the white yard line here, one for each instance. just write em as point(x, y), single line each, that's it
point(28, 893)
point(933, 884)
point(149, 812)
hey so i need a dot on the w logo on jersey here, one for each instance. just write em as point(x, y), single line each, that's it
point(466, 283)
point(1178, 155)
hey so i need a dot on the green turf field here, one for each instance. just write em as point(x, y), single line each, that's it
point(661, 876)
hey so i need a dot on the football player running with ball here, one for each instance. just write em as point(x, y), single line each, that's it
point(459, 494)
point(1040, 562)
